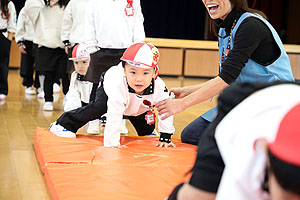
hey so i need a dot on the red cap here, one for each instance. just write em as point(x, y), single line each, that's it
point(286, 145)
point(142, 54)
point(80, 52)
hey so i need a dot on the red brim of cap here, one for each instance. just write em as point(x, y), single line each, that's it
point(79, 59)
point(286, 145)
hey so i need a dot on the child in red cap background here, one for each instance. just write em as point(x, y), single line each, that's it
point(251, 150)
point(80, 89)
point(131, 88)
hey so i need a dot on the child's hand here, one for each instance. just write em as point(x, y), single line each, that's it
point(22, 49)
point(165, 144)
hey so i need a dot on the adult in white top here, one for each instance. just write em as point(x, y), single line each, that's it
point(7, 28)
point(73, 23)
point(111, 28)
point(73, 27)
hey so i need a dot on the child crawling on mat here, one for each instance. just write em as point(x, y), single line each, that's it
point(132, 88)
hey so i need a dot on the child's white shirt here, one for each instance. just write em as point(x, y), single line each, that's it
point(122, 102)
point(79, 91)
point(73, 23)
point(24, 28)
point(9, 22)
point(107, 25)
point(46, 23)
point(257, 117)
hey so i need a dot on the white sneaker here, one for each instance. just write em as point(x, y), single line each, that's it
point(30, 91)
point(48, 106)
point(93, 127)
point(2, 96)
point(56, 88)
point(123, 129)
point(41, 94)
point(61, 131)
point(154, 133)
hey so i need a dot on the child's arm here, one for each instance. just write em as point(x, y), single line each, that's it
point(139, 32)
point(73, 99)
point(66, 26)
point(32, 8)
point(90, 32)
point(165, 127)
point(165, 140)
point(11, 27)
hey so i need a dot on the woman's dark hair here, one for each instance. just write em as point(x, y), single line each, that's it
point(287, 175)
point(4, 6)
point(240, 5)
point(63, 3)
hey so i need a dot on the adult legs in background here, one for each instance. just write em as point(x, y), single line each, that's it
point(3, 75)
point(191, 133)
point(4, 62)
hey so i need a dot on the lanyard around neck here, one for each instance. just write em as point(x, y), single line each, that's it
point(225, 53)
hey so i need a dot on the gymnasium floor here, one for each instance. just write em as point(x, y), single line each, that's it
point(20, 115)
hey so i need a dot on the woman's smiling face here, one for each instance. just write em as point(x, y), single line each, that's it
point(218, 9)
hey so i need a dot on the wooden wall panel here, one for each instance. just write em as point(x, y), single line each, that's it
point(295, 63)
point(15, 55)
point(202, 63)
point(170, 61)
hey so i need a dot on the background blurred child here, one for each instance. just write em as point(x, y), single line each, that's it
point(7, 28)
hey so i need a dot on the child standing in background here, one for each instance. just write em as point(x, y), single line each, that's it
point(80, 89)
point(24, 37)
point(7, 28)
point(50, 57)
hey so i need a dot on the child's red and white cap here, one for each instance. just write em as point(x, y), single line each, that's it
point(80, 52)
point(286, 145)
point(142, 54)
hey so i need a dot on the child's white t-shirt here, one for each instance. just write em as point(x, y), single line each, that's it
point(123, 102)
point(79, 91)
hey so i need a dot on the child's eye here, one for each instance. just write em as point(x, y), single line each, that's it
point(132, 72)
point(146, 73)
point(84, 62)
point(76, 62)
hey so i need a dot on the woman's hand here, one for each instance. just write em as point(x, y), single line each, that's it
point(178, 92)
point(165, 144)
point(169, 107)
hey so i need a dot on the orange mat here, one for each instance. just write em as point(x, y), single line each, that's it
point(82, 168)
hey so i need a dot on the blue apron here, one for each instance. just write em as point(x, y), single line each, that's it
point(252, 71)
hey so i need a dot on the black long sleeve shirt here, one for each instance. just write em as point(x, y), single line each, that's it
point(253, 40)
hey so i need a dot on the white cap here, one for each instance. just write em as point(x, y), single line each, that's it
point(142, 54)
point(80, 52)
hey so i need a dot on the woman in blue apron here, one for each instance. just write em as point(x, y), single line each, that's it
point(250, 50)
point(251, 55)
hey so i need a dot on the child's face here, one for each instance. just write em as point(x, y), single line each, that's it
point(138, 78)
point(81, 66)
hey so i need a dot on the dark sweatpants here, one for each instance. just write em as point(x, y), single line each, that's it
point(75, 119)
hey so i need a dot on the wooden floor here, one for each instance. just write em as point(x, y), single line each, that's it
point(20, 115)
